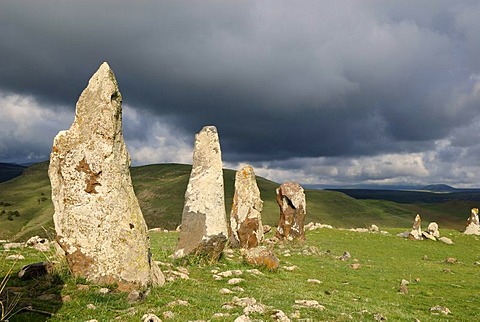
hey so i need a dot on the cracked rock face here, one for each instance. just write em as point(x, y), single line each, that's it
point(204, 223)
point(293, 207)
point(245, 217)
point(97, 218)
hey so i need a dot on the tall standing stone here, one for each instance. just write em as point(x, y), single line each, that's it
point(245, 217)
point(204, 224)
point(473, 225)
point(98, 220)
point(416, 232)
point(293, 207)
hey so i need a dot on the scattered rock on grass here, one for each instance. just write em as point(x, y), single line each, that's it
point(9, 246)
point(225, 291)
point(242, 318)
point(15, 257)
point(235, 272)
point(290, 268)
point(379, 317)
point(437, 309)
point(178, 303)
point(91, 306)
point(314, 281)
point(280, 316)
point(451, 260)
point(254, 308)
point(243, 301)
point(355, 266)
point(308, 304)
point(345, 256)
point(150, 318)
point(235, 281)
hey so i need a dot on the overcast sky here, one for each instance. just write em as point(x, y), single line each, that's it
point(322, 92)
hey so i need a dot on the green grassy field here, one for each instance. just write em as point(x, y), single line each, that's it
point(160, 190)
point(348, 294)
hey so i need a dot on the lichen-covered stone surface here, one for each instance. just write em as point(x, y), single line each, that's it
point(97, 218)
point(473, 225)
point(293, 208)
point(204, 224)
point(245, 217)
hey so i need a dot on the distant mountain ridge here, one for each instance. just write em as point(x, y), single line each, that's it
point(9, 171)
point(439, 188)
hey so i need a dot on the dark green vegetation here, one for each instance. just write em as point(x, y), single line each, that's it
point(9, 171)
point(347, 294)
point(160, 190)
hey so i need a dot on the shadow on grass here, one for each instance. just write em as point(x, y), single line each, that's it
point(34, 299)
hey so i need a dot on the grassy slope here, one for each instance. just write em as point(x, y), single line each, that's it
point(161, 188)
point(347, 294)
point(24, 192)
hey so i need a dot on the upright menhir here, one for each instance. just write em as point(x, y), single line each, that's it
point(98, 220)
point(203, 230)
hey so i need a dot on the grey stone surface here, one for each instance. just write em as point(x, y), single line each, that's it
point(204, 223)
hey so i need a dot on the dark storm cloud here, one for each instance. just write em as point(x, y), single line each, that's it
point(280, 79)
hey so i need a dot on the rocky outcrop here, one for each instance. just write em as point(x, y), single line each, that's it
point(98, 220)
point(246, 229)
point(416, 233)
point(204, 224)
point(293, 207)
point(473, 225)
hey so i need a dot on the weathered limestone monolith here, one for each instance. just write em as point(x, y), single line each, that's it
point(416, 233)
point(473, 225)
point(98, 220)
point(293, 207)
point(245, 217)
point(204, 223)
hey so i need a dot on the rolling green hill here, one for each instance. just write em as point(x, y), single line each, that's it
point(26, 208)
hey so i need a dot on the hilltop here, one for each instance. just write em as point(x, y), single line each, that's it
point(10, 170)
point(160, 189)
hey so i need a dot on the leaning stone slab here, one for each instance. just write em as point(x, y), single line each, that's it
point(204, 225)
point(293, 207)
point(98, 220)
point(245, 217)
